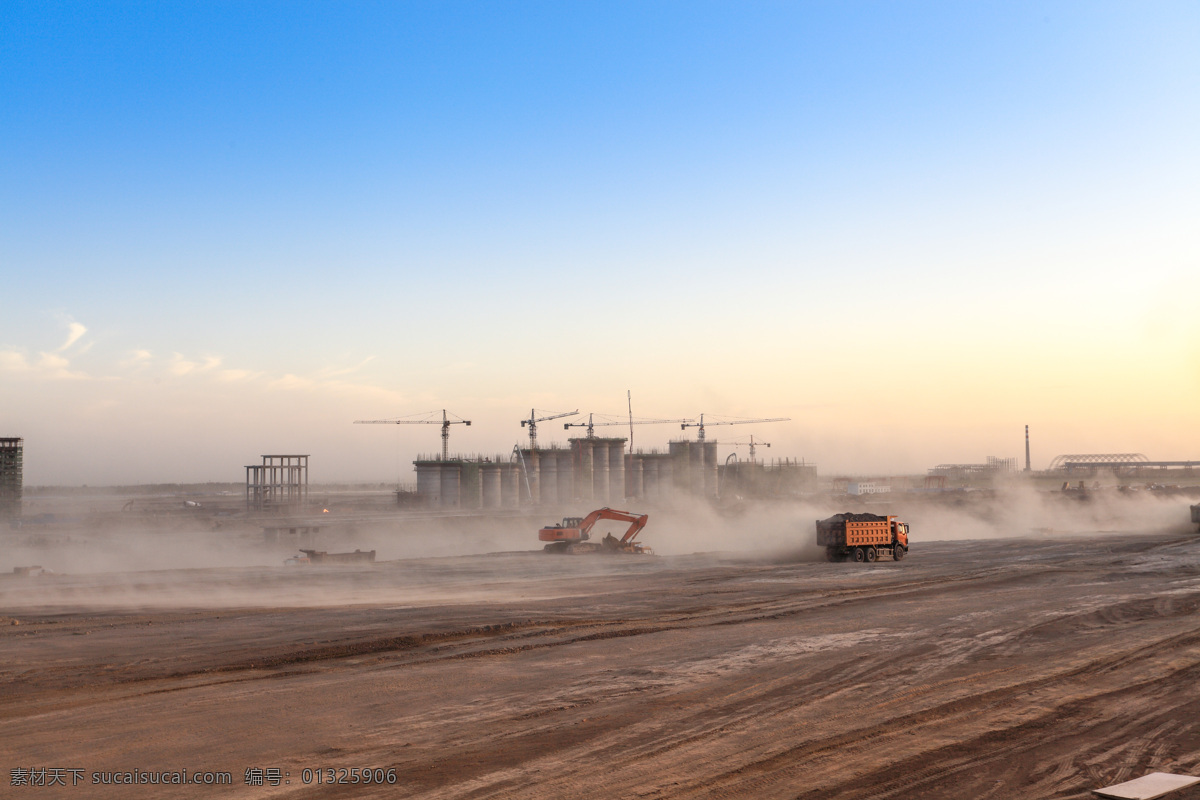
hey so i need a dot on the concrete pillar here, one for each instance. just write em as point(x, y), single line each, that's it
point(451, 482)
point(633, 477)
point(600, 473)
point(616, 473)
point(711, 471)
point(583, 465)
point(510, 485)
point(535, 486)
point(548, 475)
point(429, 484)
point(650, 476)
point(489, 480)
point(666, 477)
point(566, 475)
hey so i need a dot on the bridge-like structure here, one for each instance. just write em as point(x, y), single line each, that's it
point(1071, 462)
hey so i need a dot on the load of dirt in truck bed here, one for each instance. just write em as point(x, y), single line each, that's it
point(846, 516)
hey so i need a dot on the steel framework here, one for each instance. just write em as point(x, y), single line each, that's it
point(1060, 462)
point(279, 482)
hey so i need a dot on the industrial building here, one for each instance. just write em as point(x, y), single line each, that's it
point(1132, 465)
point(11, 476)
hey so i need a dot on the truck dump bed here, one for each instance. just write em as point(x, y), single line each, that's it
point(321, 557)
point(852, 530)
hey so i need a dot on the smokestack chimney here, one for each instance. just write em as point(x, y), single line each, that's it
point(1027, 448)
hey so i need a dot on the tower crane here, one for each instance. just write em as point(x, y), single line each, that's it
point(607, 420)
point(534, 419)
point(430, 419)
point(732, 421)
point(753, 444)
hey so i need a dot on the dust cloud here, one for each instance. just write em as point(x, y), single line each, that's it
point(117, 560)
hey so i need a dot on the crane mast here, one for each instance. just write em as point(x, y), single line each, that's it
point(752, 444)
point(534, 419)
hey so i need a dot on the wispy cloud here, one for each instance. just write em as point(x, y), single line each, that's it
point(13, 361)
point(291, 381)
point(232, 375)
point(137, 359)
point(75, 330)
point(141, 364)
point(180, 365)
point(333, 372)
point(48, 366)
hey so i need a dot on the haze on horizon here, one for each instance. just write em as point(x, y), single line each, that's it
point(229, 229)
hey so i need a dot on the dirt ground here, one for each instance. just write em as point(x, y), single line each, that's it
point(1023, 667)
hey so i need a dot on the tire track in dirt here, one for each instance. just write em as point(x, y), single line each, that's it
point(969, 706)
point(458, 644)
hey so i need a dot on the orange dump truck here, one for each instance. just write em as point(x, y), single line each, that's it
point(862, 537)
point(1196, 514)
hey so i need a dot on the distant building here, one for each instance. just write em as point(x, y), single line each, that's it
point(868, 488)
point(963, 472)
point(786, 477)
point(11, 478)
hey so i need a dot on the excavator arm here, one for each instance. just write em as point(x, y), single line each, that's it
point(637, 522)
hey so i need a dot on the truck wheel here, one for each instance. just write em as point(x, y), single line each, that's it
point(859, 555)
point(871, 555)
point(898, 552)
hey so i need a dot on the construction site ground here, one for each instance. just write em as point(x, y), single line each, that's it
point(1030, 668)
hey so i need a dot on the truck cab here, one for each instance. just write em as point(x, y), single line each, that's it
point(900, 532)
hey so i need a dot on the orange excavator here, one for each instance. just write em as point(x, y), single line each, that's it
point(573, 534)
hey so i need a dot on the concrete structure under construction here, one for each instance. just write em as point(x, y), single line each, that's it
point(590, 470)
point(651, 475)
point(468, 482)
point(785, 477)
point(597, 470)
point(695, 466)
point(992, 468)
point(279, 483)
point(11, 476)
point(593, 471)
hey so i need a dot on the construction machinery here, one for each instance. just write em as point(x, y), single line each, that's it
point(605, 419)
point(573, 534)
point(727, 421)
point(534, 419)
point(753, 446)
point(1196, 516)
point(862, 537)
point(428, 419)
point(321, 557)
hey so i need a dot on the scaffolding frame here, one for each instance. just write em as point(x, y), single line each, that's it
point(279, 482)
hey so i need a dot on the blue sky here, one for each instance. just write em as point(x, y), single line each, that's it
point(273, 218)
